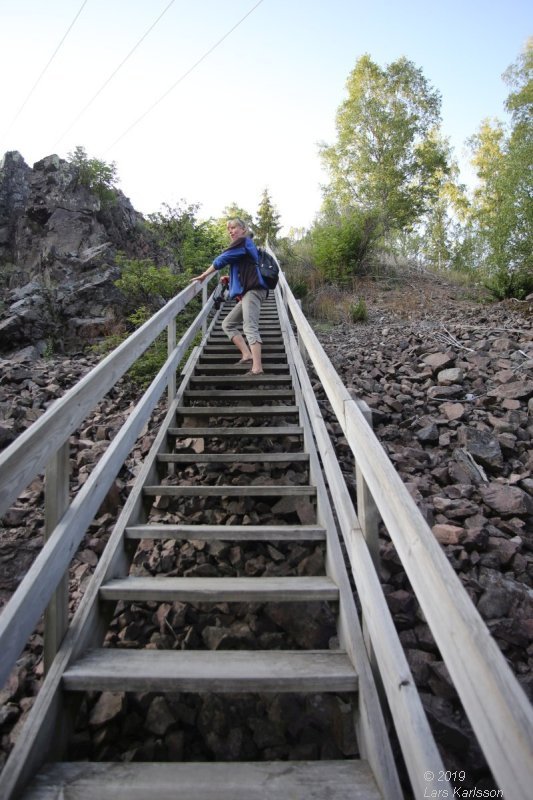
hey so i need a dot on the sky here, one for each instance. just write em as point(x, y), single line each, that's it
point(210, 102)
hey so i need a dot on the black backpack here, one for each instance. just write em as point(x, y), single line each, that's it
point(268, 268)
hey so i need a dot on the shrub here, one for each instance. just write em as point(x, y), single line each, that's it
point(358, 311)
point(98, 176)
point(343, 243)
point(299, 288)
point(514, 280)
point(146, 286)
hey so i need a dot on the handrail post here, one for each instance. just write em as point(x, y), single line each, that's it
point(368, 516)
point(55, 504)
point(171, 344)
point(367, 510)
point(301, 345)
point(204, 301)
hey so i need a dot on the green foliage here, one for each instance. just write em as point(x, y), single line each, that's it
point(299, 288)
point(387, 149)
point(294, 252)
point(185, 242)
point(506, 283)
point(144, 370)
point(267, 221)
point(501, 216)
point(146, 286)
point(342, 243)
point(358, 311)
point(98, 176)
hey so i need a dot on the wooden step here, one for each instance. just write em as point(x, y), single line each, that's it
point(270, 313)
point(230, 348)
point(115, 670)
point(248, 490)
point(244, 394)
point(266, 317)
point(271, 369)
point(269, 339)
point(231, 380)
point(234, 533)
point(229, 358)
point(231, 458)
point(218, 335)
point(239, 411)
point(223, 590)
point(263, 430)
point(264, 780)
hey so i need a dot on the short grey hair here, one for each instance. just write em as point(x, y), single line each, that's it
point(238, 221)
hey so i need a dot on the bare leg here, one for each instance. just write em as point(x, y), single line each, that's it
point(240, 342)
point(257, 365)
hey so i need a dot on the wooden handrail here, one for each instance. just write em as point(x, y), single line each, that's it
point(29, 454)
point(420, 752)
point(32, 596)
point(497, 707)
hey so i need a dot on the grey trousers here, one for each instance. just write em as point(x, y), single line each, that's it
point(246, 312)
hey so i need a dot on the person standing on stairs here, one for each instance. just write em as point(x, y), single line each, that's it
point(248, 288)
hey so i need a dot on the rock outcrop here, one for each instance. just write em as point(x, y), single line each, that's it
point(58, 242)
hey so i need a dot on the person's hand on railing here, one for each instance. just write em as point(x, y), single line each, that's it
point(204, 275)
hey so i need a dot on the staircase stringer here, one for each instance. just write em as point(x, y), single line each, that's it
point(46, 728)
point(414, 733)
point(372, 735)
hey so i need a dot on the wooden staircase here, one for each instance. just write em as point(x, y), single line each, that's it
point(236, 420)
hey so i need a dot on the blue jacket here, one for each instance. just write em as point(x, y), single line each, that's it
point(241, 255)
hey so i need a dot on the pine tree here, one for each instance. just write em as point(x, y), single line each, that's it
point(267, 222)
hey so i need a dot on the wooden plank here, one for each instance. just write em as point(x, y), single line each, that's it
point(235, 369)
point(273, 430)
point(202, 590)
point(265, 780)
point(416, 739)
point(56, 501)
point(372, 731)
point(495, 703)
point(223, 358)
point(239, 671)
point(247, 490)
point(288, 533)
point(367, 510)
point(269, 337)
point(239, 411)
point(222, 380)
point(171, 344)
point(232, 458)
point(230, 394)
point(229, 348)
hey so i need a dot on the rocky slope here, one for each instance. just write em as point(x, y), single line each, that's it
point(450, 384)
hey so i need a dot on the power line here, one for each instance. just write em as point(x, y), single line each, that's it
point(100, 90)
point(182, 77)
point(19, 112)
